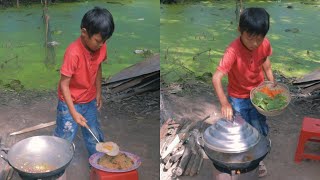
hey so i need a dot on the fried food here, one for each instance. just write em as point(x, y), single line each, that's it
point(37, 168)
point(110, 148)
point(119, 162)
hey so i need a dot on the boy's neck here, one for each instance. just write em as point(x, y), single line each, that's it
point(244, 45)
point(85, 46)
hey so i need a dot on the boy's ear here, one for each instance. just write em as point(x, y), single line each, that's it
point(238, 28)
point(84, 32)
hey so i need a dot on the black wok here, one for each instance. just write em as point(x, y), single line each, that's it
point(40, 157)
point(243, 162)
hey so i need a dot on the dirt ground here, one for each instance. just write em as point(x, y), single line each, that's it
point(132, 123)
point(196, 101)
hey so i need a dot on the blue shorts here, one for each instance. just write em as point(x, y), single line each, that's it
point(250, 114)
point(67, 128)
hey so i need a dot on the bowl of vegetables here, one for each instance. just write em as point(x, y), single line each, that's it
point(270, 100)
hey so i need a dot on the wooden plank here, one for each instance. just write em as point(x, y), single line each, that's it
point(127, 85)
point(308, 84)
point(311, 89)
point(135, 91)
point(313, 76)
point(134, 82)
point(33, 128)
point(115, 84)
point(147, 66)
point(119, 83)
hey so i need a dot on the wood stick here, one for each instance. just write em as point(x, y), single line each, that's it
point(195, 165)
point(166, 159)
point(184, 161)
point(178, 154)
point(164, 128)
point(171, 146)
point(165, 142)
point(189, 165)
point(192, 143)
point(33, 128)
point(200, 165)
point(199, 152)
point(168, 165)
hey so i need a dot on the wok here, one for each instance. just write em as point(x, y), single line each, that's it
point(40, 157)
point(244, 161)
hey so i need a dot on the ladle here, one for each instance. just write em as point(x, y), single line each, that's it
point(115, 150)
point(92, 133)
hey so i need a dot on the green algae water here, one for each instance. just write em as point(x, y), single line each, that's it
point(193, 36)
point(22, 39)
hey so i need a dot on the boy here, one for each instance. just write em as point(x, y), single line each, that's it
point(79, 88)
point(246, 61)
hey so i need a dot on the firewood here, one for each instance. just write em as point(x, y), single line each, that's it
point(178, 154)
point(200, 164)
point(164, 128)
point(187, 126)
point(171, 147)
point(184, 161)
point(165, 142)
point(195, 165)
point(199, 154)
point(166, 159)
point(172, 131)
point(192, 143)
point(173, 125)
point(189, 165)
point(168, 165)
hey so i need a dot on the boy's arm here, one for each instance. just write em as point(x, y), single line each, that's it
point(64, 85)
point(98, 86)
point(268, 71)
point(226, 108)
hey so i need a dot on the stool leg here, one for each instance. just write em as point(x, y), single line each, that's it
point(300, 148)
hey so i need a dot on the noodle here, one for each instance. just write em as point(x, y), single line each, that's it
point(121, 161)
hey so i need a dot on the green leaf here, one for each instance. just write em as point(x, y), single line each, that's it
point(266, 103)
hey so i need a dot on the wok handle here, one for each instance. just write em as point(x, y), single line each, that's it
point(200, 141)
point(5, 150)
point(74, 147)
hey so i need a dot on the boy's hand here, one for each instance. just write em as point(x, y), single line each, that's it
point(275, 83)
point(226, 111)
point(99, 102)
point(77, 117)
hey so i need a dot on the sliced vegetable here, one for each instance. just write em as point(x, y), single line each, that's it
point(269, 100)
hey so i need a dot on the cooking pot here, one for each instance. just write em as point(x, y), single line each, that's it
point(234, 145)
point(40, 157)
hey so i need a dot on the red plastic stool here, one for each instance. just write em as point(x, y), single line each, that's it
point(310, 131)
point(97, 174)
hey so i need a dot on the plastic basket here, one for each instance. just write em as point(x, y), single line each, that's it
point(285, 92)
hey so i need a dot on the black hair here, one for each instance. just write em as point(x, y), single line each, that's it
point(255, 21)
point(98, 20)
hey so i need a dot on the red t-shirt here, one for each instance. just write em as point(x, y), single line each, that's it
point(244, 67)
point(82, 66)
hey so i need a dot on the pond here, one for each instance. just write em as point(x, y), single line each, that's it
point(193, 36)
point(23, 58)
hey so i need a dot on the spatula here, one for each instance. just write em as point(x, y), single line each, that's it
point(99, 146)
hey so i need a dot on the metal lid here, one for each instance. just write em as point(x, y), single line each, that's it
point(231, 136)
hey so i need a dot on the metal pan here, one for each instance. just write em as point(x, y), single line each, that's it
point(238, 161)
point(40, 157)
